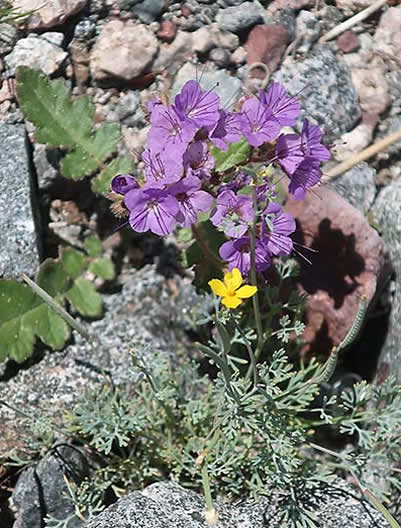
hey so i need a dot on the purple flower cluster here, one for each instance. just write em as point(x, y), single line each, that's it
point(180, 179)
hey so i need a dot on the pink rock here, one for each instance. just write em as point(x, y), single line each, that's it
point(266, 44)
point(372, 87)
point(48, 14)
point(351, 261)
point(289, 4)
point(348, 41)
point(124, 50)
point(167, 31)
point(7, 91)
point(387, 38)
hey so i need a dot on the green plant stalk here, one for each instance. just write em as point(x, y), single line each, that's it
point(59, 309)
point(381, 508)
point(29, 417)
point(206, 486)
point(255, 298)
point(248, 345)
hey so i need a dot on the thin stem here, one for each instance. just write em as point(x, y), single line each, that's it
point(326, 451)
point(350, 22)
point(365, 154)
point(210, 514)
point(33, 417)
point(252, 369)
point(59, 310)
point(255, 298)
point(205, 250)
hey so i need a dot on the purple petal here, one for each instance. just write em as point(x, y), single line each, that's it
point(284, 108)
point(123, 183)
point(289, 152)
point(198, 106)
point(260, 125)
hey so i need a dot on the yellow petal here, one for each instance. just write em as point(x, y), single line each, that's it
point(246, 291)
point(231, 301)
point(233, 280)
point(218, 287)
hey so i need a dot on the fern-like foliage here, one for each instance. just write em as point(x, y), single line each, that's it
point(67, 123)
point(24, 317)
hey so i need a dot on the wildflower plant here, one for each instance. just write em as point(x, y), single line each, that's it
point(212, 176)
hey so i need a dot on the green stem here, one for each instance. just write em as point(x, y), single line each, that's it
point(206, 486)
point(59, 310)
point(252, 368)
point(255, 298)
point(33, 417)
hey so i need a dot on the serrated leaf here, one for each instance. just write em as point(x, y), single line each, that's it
point(103, 267)
point(53, 278)
point(49, 326)
point(93, 245)
point(73, 262)
point(86, 159)
point(235, 154)
point(24, 317)
point(64, 122)
point(101, 183)
point(85, 298)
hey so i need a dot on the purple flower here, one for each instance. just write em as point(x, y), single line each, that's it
point(151, 209)
point(289, 152)
point(291, 149)
point(191, 200)
point(311, 137)
point(276, 228)
point(123, 183)
point(284, 108)
point(233, 213)
point(228, 129)
point(260, 125)
point(197, 106)
point(306, 175)
point(238, 255)
point(169, 131)
point(198, 160)
point(266, 190)
point(238, 182)
point(161, 167)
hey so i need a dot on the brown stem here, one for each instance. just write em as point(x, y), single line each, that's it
point(205, 250)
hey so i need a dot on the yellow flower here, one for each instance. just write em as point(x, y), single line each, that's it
point(230, 289)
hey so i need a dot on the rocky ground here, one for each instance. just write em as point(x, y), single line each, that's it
point(120, 52)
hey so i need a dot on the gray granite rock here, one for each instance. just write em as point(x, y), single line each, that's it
point(46, 161)
point(8, 37)
point(167, 505)
point(393, 79)
point(389, 126)
point(358, 186)
point(18, 237)
point(147, 315)
point(85, 29)
point(240, 18)
point(149, 10)
point(42, 52)
point(323, 85)
point(308, 30)
point(227, 87)
point(42, 491)
point(387, 217)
